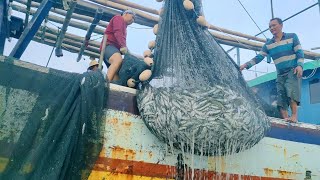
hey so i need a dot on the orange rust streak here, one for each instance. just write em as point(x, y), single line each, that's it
point(150, 154)
point(118, 152)
point(268, 172)
point(285, 152)
point(286, 174)
point(140, 168)
point(277, 146)
point(114, 121)
point(281, 173)
point(134, 167)
point(103, 152)
point(128, 124)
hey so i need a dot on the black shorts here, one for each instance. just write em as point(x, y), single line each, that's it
point(109, 51)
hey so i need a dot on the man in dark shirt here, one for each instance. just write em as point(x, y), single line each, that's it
point(116, 32)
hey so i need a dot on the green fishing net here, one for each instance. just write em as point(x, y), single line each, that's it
point(198, 99)
point(51, 122)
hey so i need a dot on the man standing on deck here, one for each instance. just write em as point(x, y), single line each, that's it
point(116, 32)
point(288, 57)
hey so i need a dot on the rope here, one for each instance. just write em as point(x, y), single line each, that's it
point(256, 71)
point(241, 43)
point(313, 71)
point(236, 38)
point(54, 25)
point(139, 28)
point(96, 38)
point(251, 17)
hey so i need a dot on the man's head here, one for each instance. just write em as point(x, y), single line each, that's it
point(275, 26)
point(93, 65)
point(129, 16)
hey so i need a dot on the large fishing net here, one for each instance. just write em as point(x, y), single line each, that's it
point(132, 67)
point(51, 122)
point(198, 100)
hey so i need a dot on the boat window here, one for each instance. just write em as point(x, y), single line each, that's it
point(314, 87)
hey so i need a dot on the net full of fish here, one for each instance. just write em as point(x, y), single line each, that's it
point(214, 118)
point(199, 100)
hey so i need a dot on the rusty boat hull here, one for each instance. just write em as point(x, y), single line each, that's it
point(131, 151)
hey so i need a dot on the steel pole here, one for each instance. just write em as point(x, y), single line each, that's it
point(93, 25)
point(319, 5)
point(64, 28)
point(3, 24)
point(32, 28)
point(272, 15)
point(283, 21)
point(238, 56)
point(26, 20)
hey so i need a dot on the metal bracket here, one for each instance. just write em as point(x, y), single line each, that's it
point(64, 28)
point(3, 24)
point(32, 28)
point(93, 25)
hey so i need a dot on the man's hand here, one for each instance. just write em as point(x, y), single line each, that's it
point(124, 50)
point(298, 70)
point(243, 66)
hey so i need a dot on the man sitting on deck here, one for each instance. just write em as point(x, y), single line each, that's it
point(288, 57)
point(116, 46)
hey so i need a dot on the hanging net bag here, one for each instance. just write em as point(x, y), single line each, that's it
point(197, 99)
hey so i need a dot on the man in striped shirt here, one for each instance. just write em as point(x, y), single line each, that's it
point(288, 57)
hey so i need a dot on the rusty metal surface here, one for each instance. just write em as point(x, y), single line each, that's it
point(128, 140)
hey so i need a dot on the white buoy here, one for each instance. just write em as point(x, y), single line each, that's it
point(145, 75)
point(151, 45)
point(147, 53)
point(155, 29)
point(131, 82)
point(148, 61)
point(188, 5)
point(201, 20)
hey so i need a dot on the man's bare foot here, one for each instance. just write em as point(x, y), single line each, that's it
point(291, 120)
point(294, 119)
point(288, 119)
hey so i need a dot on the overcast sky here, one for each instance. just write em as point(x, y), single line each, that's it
point(227, 14)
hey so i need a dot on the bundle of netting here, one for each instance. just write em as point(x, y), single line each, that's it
point(198, 99)
point(51, 122)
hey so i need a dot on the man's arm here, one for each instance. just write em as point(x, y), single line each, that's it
point(257, 59)
point(299, 55)
point(298, 50)
point(118, 30)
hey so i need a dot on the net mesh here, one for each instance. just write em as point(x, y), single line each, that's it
point(131, 68)
point(51, 123)
point(198, 99)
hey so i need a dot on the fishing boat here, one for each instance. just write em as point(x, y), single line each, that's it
point(132, 151)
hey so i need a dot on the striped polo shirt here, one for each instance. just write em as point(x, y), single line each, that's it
point(286, 54)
